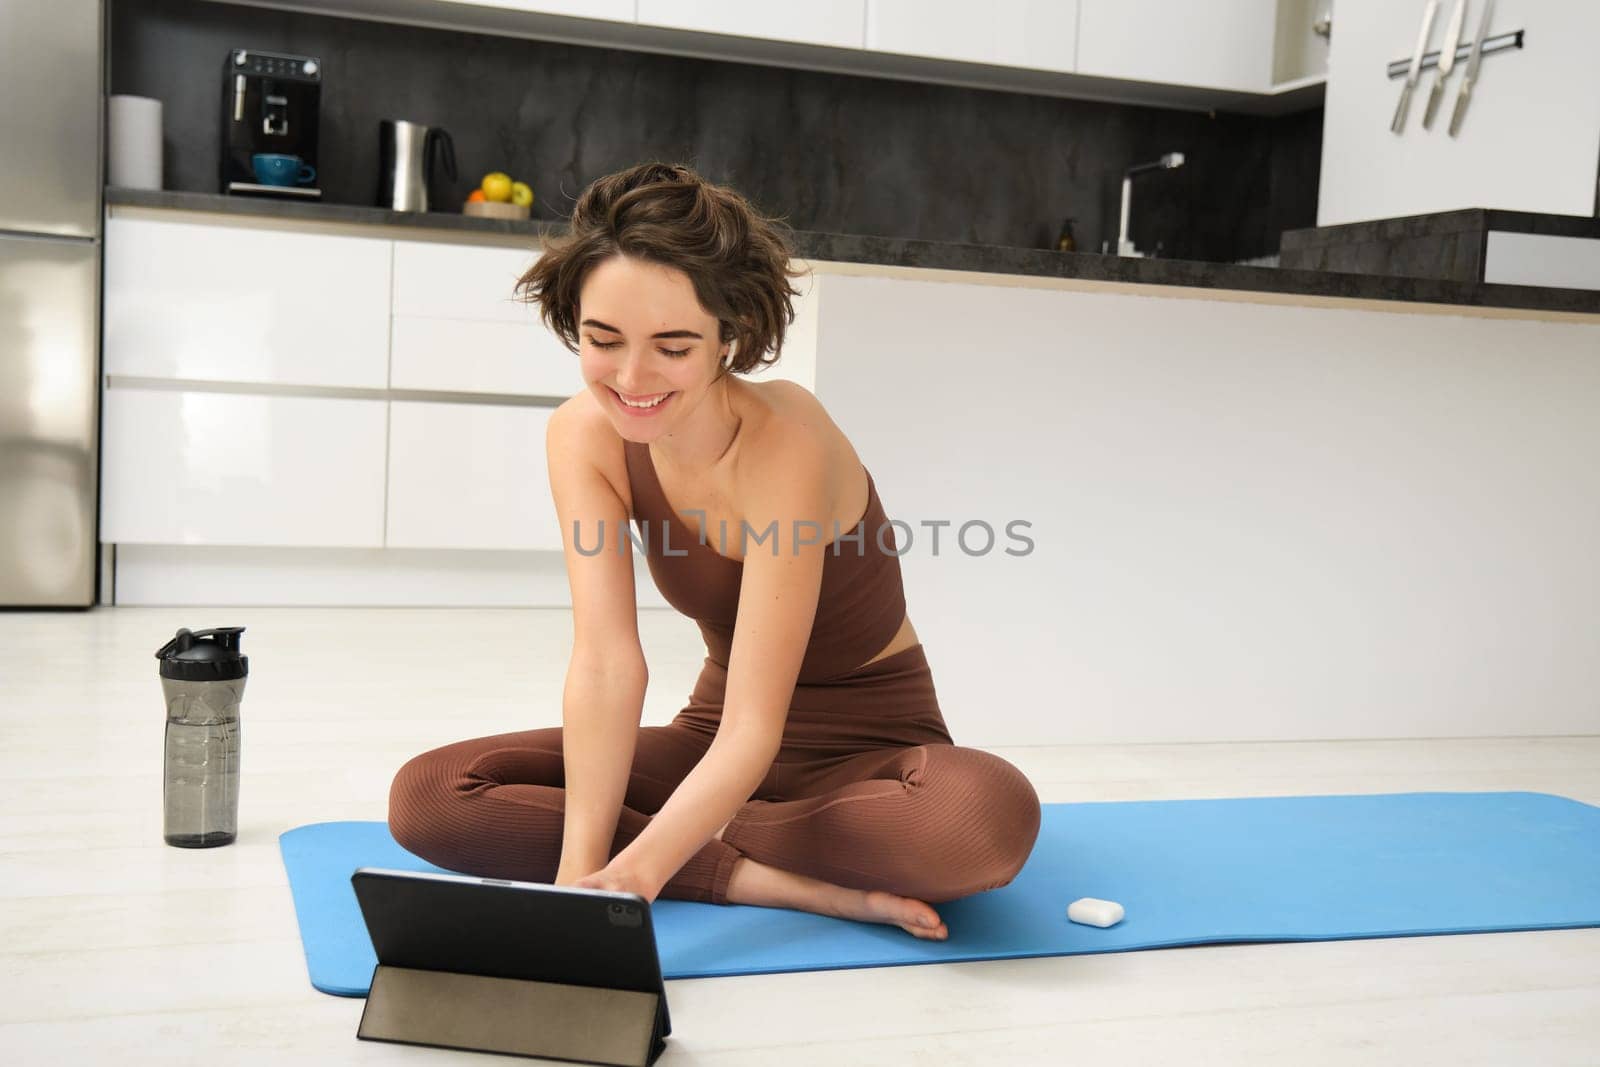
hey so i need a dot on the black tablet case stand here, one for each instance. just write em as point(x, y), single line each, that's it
point(517, 1016)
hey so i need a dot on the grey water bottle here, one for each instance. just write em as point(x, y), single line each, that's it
point(202, 677)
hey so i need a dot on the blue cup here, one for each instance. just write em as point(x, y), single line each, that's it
point(275, 168)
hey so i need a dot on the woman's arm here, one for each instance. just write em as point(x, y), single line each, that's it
point(603, 699)
point(777, 606)
point(601, 708)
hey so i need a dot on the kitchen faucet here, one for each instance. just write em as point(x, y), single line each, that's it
point(1167, 162)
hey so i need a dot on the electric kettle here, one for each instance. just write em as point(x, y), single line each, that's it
point(406, 154)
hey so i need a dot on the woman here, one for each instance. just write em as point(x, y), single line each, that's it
point(812, 768)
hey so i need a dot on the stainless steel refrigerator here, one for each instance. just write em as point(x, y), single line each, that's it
point(51, 75)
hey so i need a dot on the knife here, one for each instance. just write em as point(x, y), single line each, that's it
point(1470, 77)
point(1416, 66)
point(1447, 61)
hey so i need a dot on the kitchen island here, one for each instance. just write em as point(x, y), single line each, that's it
point(1175, 501)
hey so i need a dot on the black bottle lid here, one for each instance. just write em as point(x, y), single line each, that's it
point(204, 655)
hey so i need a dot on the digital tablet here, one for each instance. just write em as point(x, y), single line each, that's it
point(507, 929)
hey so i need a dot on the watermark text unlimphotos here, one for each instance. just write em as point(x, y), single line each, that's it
point(893, 537)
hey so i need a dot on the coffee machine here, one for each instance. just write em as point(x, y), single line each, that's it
point(269, 124)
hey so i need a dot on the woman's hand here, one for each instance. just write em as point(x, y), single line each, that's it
point(618, 880)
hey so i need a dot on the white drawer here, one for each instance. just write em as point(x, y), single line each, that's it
point(189, 468)
point(226, 303)
point(480, 356)
point(461, 281)
point(469, 476)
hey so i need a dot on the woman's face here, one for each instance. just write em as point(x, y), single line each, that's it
point(624, 309)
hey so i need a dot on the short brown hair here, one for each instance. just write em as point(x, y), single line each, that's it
point(736, 258)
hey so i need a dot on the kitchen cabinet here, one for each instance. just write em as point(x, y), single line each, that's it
point(469, 476)
point(239, 304)
point(835, 23)
point(458, 327)
point(1039, 34)
point(1254, 56)
point(1220, 44)
point(480, 356)
point(433, 278)
point(199, 468)
point(214, 429)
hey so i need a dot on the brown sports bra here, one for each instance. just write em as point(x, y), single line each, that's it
point(859, 608)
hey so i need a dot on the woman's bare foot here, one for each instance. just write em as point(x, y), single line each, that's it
point(879, 906)
point(770, 887)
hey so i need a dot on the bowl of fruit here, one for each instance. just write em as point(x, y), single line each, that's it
point(499, 197)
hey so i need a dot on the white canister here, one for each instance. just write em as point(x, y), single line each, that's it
point(133, 142)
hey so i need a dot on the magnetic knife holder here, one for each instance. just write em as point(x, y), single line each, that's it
point(520, 1017)
point(1500, 42)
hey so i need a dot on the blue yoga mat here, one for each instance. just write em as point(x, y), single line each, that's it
point(1189, 872)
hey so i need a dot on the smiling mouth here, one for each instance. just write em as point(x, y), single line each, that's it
point(646, 403)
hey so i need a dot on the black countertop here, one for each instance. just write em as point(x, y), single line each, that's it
point(1450, 245)
point(1475, 218)
point(941, 255)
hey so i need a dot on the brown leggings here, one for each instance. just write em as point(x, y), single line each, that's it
point(868, 791)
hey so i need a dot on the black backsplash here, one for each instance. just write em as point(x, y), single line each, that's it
point(828, 152)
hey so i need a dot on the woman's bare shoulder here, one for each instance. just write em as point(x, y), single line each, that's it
point(581, 431)
point(794, 414)
point(790, 403)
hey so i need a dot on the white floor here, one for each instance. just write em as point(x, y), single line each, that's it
point(114, 945)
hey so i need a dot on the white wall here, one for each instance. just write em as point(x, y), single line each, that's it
point(1250, 521)
point(1531, 137)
